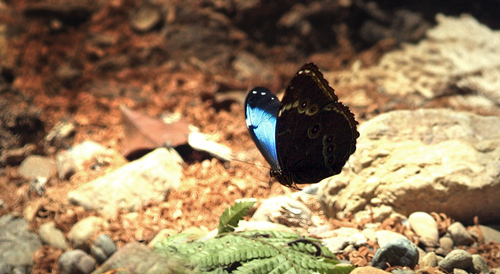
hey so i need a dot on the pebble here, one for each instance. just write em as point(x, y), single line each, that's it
point(425, 227)
point(456, 259)
point(84, 229)
point(76, 261)
point(36, 166)
point(402, 271)
point(459, 234)
point(385, 236)
point(479, 264)
point(51, 235)
point(370, 234)
point(146, 18)
point(399, 252)
point(429, 260)
point(367, 270)
point(446, 242)
point(336, 244)
point(459, 271)
point(102, 248)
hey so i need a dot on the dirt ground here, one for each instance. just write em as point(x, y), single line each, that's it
point(78, 63)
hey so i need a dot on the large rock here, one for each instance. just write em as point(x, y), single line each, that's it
point(135, 184)
point(458, 54)
point(17, 245)
point(424, 160)
point(138, 258)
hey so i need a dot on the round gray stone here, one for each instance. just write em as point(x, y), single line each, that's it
point(429, 260)
point(456, 259)
point(102, 248)
point(446, 242)
point(459, 234)
point(76, 261)
point(399, 252)
point(52, 236)
point(479, 264)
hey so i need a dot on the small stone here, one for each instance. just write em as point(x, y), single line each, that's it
point(146, 18)
point(84, 229)
point(52, 236)
point(367, 270)
point(385, 236)
point(446, 242)
point(102, 248)
point(358, 239)
point(399, 252)
point(336, 244)
point(459, 234)
point(402, 271)
point(479, 264)
point(76, 261)
point(35, 166)
point(429, 260)
point(370, 234)
point(349, 249)
point(459, 271)
point(426, 227)
point(456, 259)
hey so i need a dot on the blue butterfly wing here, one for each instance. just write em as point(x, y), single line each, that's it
point(261, 111)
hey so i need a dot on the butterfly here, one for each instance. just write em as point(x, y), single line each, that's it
point(306, 137)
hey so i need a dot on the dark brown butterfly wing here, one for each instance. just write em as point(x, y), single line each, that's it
point(315, 133)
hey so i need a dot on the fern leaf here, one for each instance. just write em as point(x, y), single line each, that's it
point(231, 216)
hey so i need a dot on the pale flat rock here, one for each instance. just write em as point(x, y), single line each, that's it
point(283, 210)
point(138, 258)
point(457, 53)
point(431, 160)
point(146, 180)
point(17, 245)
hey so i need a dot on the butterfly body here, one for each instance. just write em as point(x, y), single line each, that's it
point(309, 135)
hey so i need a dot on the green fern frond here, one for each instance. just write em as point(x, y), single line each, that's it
point(256, 252)
point(231, 216)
